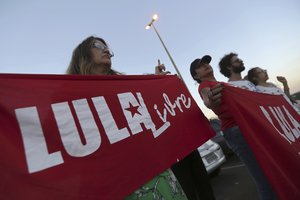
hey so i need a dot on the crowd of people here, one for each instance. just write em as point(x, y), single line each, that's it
point(93, 57)
point(210, 91)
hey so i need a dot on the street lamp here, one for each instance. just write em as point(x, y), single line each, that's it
point(154, 18)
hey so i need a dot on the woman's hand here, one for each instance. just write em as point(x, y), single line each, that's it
point(160, 69)
point(213, 96)
point(282, 79)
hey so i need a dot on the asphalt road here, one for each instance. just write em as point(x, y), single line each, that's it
point(234, 182)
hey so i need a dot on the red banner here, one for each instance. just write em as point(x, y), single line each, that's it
point(92, 137)
point(272, 129)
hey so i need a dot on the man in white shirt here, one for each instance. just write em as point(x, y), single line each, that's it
point(231, 66)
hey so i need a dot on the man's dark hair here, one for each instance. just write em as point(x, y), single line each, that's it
point(224, 63)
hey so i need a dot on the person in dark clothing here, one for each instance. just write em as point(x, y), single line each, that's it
point(193, 177)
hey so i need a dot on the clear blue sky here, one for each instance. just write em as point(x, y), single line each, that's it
point(38, 36)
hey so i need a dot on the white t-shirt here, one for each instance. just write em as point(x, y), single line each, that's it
point(244, 84)
point(270, 90)
point(276, 91)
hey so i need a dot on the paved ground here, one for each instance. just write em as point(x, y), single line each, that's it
point(234, 182)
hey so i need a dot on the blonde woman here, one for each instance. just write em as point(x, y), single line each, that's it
point(93, 57)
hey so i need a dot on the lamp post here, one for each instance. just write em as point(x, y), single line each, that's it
point(154, 18)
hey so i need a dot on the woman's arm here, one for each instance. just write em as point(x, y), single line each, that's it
point(284, 82)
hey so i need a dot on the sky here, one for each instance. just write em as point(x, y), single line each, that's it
point(38, 36)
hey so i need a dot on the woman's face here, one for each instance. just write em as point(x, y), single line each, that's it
point(101, 54)
point(261, 74)
point(204, 72)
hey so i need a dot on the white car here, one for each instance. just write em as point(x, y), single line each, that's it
point(212, 156)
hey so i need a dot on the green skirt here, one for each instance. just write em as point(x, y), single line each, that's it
point(162, 187)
